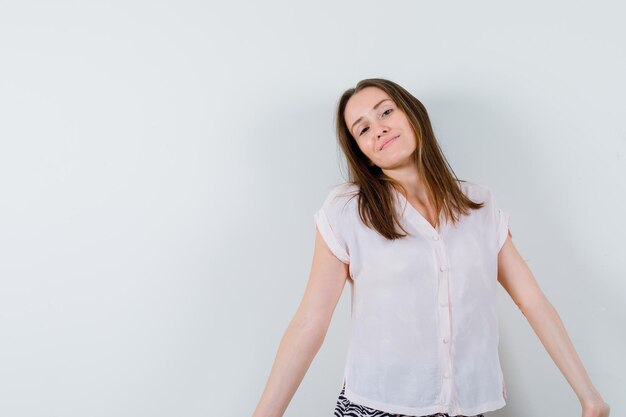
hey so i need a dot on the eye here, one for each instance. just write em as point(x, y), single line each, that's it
point(384, 113)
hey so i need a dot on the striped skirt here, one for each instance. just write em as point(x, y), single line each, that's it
point(345, 408)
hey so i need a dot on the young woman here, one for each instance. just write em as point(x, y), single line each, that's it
point(423, 252)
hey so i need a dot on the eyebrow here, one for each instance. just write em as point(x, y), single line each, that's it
point(375, 107)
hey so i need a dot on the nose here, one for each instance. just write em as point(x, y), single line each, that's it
point(381, 130)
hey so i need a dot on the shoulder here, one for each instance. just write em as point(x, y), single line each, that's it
point(475, 190)
point(340, 197)
point(344, 191)
point(345, 187)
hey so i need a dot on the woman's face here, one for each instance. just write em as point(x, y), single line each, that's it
point(381, 130)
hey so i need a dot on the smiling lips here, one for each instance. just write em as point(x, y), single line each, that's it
point(388, 142)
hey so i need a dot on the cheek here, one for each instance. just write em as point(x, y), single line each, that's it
point(408, 129)
point(364, 145)
point(404, 120)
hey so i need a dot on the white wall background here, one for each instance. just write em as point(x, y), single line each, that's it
point(160, 164)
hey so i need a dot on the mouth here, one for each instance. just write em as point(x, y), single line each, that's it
point(387, 142)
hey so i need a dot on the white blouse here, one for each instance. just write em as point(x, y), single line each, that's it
point(424, 325)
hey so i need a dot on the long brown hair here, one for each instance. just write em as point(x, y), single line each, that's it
point(375, 195)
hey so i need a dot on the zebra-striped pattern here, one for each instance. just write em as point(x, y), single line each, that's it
point(345, 408)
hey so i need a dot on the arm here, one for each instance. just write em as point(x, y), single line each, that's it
point(516, 278)
point(306, 332)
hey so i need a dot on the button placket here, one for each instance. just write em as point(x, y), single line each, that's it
point(444, 315)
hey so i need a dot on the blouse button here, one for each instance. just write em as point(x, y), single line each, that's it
point(446, 375)
point(443, 304)
point(445, 340)
point(443, 268)
point(436, 237)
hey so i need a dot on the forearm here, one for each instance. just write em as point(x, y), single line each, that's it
point(299, 345)
point(548, 326)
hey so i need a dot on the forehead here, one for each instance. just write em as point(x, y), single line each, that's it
point(361, 103)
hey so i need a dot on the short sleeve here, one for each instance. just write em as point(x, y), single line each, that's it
point(502, 228)
point(332, 225)
point(500, 219)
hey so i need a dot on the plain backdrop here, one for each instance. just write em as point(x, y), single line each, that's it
point(161, 161)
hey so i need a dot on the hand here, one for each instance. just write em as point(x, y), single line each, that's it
point(596, 408)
